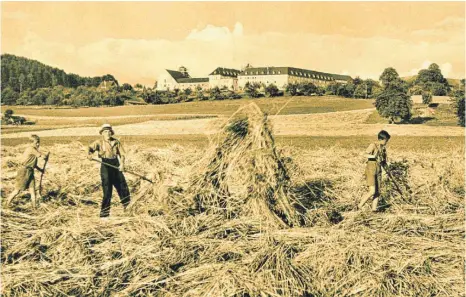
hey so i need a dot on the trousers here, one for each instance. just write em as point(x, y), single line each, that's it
point(112, 177)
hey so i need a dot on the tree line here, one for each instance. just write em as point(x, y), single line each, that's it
point(20, 74)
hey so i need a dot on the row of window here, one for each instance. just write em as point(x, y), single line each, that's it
point(311, 75)
point(317, 76)
point(262, 72)
point(225, 73)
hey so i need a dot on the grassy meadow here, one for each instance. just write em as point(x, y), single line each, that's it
point(294, 105)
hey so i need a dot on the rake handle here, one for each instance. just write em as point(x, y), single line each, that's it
point(130, 172)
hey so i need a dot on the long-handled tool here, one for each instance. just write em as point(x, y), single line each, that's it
point(130, 172)
point(46, 159)
point(392, 179)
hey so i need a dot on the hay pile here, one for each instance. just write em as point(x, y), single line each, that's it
point(201, 230)
point(244, 175)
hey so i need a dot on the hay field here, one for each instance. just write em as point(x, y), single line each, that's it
point(243, 216)
point(340, 123)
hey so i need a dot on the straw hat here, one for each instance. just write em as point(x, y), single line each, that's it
point(106, 127)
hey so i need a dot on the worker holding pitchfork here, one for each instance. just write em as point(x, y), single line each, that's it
point(112, 153)
point(376, 155)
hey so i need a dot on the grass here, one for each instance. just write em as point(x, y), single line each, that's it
point(51, 123)
point(297, 105)
point(408, 143)
point(445, 115)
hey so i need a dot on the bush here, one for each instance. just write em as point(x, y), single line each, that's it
point(426, 98)
point(272, 91)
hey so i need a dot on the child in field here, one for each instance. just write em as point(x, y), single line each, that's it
point(25, 175)
point(376, 155)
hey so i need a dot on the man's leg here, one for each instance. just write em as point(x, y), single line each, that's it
point(122, 189)
point(12, 196)
point(369, 195)
point(32, 191)
point(107, 191)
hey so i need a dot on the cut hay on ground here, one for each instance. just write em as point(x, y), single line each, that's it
point(217, 223)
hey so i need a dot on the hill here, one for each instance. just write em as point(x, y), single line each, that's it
point(19, 73)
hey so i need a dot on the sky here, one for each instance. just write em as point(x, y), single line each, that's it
point(135, 42)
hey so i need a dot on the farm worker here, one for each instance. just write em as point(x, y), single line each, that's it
point(25, 175)
point(111, 151)
point(376, 155)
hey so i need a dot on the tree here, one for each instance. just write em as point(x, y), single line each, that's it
point(252, 89)
point(360, 91)
point(393, 102)
point(9, 96)
point(126, 87)
point(8, 113)
point(426, 97)
point(40, 97)
point(187, 91)
point(389, 76)
point(307, 89)
point(459, 103)
point(272, 91)
point(215, 94)
point(292, 88)
point(332, 88)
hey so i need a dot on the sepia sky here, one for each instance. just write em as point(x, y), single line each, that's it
point(136, 41)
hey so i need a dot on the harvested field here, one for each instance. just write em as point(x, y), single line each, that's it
point(201, 230)
point(342, 123)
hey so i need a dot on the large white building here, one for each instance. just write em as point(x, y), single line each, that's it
point(172, 79)
point(282, 76)
point(224, 78)
point(235, 79)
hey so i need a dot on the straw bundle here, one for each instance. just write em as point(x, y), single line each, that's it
point(245, 175)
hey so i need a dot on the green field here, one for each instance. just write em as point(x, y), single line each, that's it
point(296, 105)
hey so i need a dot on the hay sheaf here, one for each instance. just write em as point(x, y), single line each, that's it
point(243, 174)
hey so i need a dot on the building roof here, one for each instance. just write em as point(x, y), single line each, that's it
point(299, 72)
point(181, 78)
point(177, 74)
point(226, 72)
point(192, 80)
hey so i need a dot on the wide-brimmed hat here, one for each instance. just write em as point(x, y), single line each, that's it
point(106, 127)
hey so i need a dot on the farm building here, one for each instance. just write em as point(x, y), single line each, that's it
point(281, 76)
point(180, 79)
point(235, 79)
point(224, 77)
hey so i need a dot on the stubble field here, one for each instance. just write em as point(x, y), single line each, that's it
point(249, 209)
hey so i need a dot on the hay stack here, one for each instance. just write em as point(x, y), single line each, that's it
point(244, 175)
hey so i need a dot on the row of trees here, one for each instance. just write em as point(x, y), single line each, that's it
point(59, 95)
point(20, 74)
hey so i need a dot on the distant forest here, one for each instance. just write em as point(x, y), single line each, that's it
point(21, 74)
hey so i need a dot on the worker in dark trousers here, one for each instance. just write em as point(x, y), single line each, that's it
point(111, 151)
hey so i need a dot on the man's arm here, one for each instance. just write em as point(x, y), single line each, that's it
point(94, 147)
point(121, 155)
point(370, 151)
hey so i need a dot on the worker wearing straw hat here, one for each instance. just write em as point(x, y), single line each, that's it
point(111, 151)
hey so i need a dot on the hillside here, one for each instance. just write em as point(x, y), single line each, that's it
point(19, 73)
